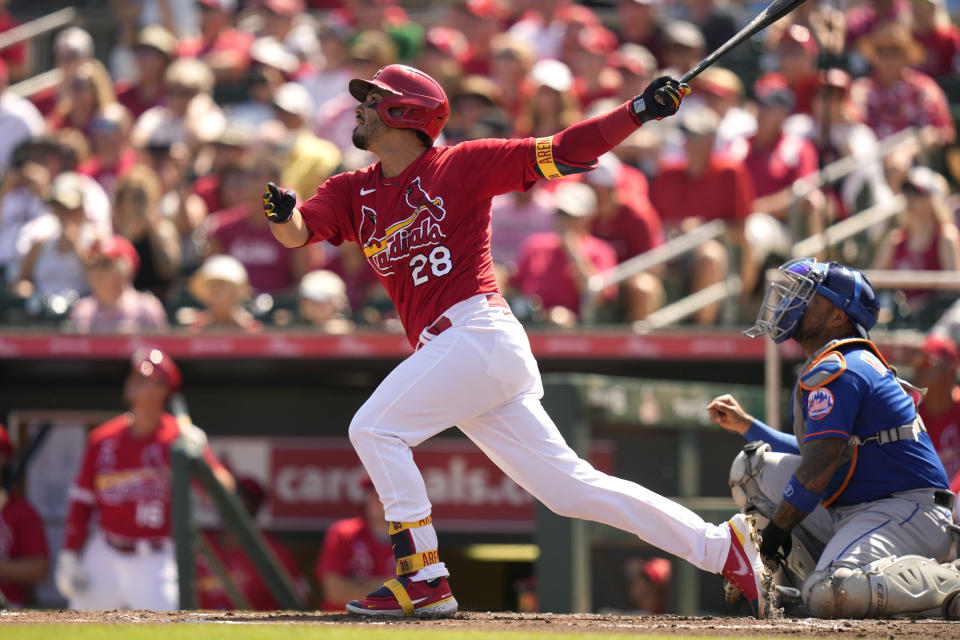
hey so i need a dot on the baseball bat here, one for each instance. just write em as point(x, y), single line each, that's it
point(770, 14)
point(17, 470)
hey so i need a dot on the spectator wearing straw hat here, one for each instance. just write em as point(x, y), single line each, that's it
point(223, 48)
point(221, 286)
point(322, 302)
point(114, 305)
point(153, 51)
point(896, 96)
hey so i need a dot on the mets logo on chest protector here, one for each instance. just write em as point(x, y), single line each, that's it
point(819, 404)
point(418, 228)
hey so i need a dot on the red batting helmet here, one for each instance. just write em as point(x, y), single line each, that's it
point(155, 364)
point(424, 103)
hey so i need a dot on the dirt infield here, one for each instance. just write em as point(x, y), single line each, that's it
point(915, 628)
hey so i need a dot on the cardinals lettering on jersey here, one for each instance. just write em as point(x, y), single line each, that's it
point(399, 239)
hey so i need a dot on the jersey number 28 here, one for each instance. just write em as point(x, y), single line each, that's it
point(440, 264)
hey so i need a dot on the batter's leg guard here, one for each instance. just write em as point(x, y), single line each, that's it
point(421, 587)
point(906, 584)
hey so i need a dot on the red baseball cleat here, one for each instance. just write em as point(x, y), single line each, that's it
point(405, 598)
point(744, 569)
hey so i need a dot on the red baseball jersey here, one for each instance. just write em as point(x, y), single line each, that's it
point(127, 479)
point(426, 232)
point(944, 432)
point(21, 536)
point(352, 550)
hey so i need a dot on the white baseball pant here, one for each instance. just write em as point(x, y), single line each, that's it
point(480, 375)
point(142, 579)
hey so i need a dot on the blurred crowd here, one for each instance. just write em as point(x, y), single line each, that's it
point(131, 190)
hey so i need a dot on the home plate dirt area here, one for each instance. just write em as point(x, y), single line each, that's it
point(909, 628)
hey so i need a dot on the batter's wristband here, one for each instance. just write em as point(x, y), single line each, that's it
point(799, 496)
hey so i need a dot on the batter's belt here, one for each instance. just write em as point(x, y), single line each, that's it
point(443, 323)
point(132, 546)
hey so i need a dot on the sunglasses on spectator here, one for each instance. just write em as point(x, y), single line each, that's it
point(104, 126)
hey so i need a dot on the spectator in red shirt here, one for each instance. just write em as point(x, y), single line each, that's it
point(243, 232)
point(88, 91)
point(480, 21)
point(14, 56)
point(595, 77)
point(865, 17)
point(927, 238)
point(225, 49)
point(797, 54)
point(895, 96)
point(775, 160)
point(640, 22)
point(24, 557)
point(71, 47)
point(153, 51)
point(935, 367)
point(113, 155)
point(554, 267)
point(241, 570)
point(356, 555)
point(705, 186)
point(939, 37)
point(631, 226)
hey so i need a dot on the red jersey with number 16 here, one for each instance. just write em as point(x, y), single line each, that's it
point(127, 479)
point(426, 232)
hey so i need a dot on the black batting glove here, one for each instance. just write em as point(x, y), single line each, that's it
point(773, 539)
point(660, 99)
point(278, 203)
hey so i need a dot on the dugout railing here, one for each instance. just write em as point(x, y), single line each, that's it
point(637, 408)
point(188, 467)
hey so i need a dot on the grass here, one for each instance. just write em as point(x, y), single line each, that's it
point(287, 632)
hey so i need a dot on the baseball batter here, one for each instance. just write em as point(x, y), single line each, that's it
point(125, 477)
point(857, 499)
point(422, 217)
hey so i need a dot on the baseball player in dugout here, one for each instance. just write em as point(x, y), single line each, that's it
point(128, 561)
point(856, 500)
point(422, 217)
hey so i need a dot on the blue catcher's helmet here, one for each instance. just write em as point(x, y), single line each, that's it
point(784, 305)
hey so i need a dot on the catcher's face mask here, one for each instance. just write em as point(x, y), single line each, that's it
point(785, 302)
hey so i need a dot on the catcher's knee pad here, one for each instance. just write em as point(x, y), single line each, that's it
point(745, 478)
point(905, 584)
